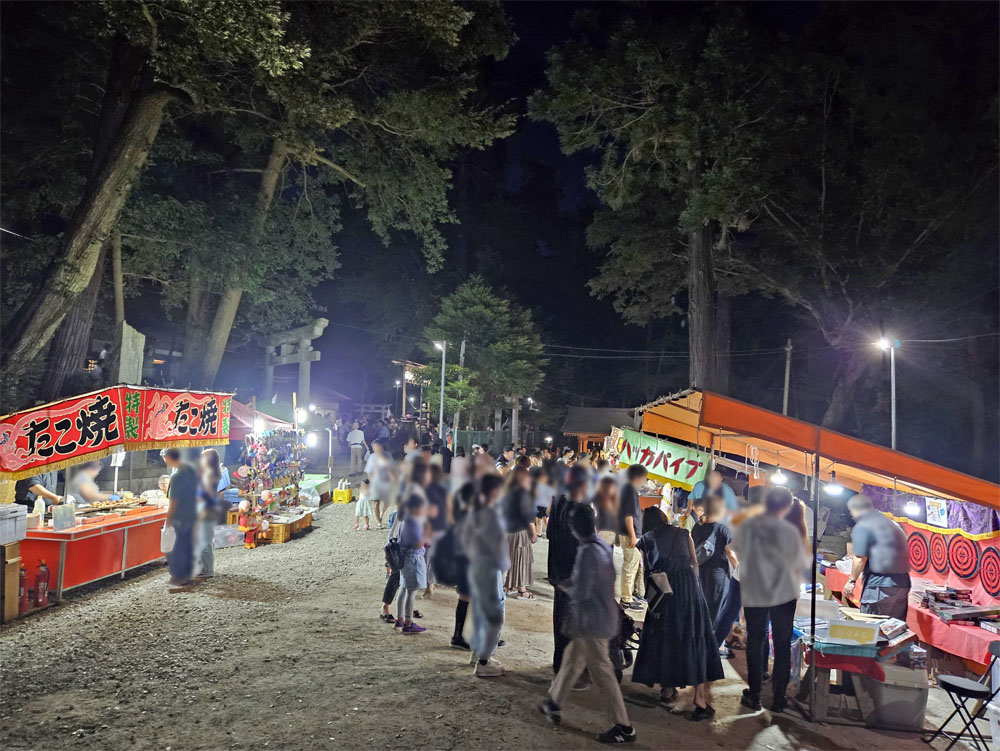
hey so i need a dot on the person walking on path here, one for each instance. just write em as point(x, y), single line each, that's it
point(363, 506)
point(562, 556)
point(208, 514)
point(677, 647)
point(485, 544)
point(629, 532)
point(732, 603)
point(381, 472)
point(713, 549)
point(358, 445)
point(594, 618)
point(182, 514)
point(518, 490)
point(771, 560)
point(879, 546)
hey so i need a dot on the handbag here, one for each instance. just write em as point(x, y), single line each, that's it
point(658, 581)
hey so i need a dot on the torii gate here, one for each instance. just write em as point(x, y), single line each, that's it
point(295, 347)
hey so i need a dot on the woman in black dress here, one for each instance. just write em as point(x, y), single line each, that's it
point(712, 544)
point(677, 647)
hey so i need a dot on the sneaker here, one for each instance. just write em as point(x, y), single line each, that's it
point(399, 623)
point(366, 528)
point(356, 527)
point(491, 669)
point(500, 643)
point(631, 605)
point(457, 642)
point(618, 734)
point(778, 706)
point(413, 628)
point(701, 713)
point(726, 653)
point(641, 600)
point(750, 702)
point(550, 710)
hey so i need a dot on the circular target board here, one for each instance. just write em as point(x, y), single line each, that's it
point(939, 553)
point(963, 556)
point(989, 571)
point(916, 545)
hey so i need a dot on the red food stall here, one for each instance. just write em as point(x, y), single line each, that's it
point(91, 426)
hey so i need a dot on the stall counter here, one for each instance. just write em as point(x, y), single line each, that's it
point(94, 549)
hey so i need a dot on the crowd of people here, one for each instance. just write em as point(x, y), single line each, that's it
point(469, 522)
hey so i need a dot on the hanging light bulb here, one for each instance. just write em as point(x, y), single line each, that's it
point(912, 508)
point(311, 439)
point(832, 488)
point(779, 477)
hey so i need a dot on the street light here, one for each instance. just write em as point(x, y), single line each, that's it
point(311, 440)
point(302, 415)
point(398, 384)
point(443, 346)
point(885, 344)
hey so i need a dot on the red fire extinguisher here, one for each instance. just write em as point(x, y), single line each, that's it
point(42, 586)
point(23, 606)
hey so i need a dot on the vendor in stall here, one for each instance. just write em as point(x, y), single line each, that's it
point(880, 554)
point(43, 486)
point(83, 486)
point(713, 485)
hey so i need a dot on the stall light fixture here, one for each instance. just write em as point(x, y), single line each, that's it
point(311, 439)
point(258, 426)
point(779, 477)
point(832, 487)
point(912, 508)
point(302, 415)
point(548, 439)
point(312, 407)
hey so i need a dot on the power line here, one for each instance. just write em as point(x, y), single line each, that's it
point(955, 339)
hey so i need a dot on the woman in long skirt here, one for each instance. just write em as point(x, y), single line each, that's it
point(677, 647)
point(519, 574)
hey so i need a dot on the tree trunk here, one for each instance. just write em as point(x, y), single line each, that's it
point(701, 310)
point(106, 192)
point(196, 328)
point(849, 375)
point(116, 271)
point(222, 323)
point(215, 346)
point(723, 336)
point(71, 342)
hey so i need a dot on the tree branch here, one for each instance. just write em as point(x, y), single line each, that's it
point(334, 166)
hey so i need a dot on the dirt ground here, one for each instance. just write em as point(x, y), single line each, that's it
point(283, 650)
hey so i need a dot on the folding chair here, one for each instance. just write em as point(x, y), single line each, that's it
point(961, 690)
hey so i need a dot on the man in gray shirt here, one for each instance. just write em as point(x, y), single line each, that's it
point(880, 554)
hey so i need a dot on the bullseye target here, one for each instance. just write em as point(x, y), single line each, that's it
point(916, 545)
point(963, 556)
point(989, 571)
point(939, 553)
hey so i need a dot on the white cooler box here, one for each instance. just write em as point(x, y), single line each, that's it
point(901, 701)
point(13, 522)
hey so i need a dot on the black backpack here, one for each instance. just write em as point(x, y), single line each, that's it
point(394, 556)
point(447, 560)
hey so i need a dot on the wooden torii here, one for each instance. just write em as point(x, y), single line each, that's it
point(293, 348)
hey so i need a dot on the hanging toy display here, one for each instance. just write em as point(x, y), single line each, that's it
point(269, 476)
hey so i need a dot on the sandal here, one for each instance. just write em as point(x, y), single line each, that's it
point(525, 596)
point(417, 614)
point(387, 617)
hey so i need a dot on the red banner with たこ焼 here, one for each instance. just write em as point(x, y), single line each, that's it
point(91, 426)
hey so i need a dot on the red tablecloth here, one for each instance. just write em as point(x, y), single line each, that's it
point(836, 581)
point(967, 642)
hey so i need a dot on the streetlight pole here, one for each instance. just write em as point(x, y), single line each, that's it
point(443, 346)
point(398, 384)
point(891, 345)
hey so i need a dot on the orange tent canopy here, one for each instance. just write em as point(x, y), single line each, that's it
point(737, 428)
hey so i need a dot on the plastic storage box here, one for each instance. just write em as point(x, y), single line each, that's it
point(900, 701)
point(13, 522)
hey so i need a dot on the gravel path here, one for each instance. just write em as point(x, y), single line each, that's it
point(283, 651)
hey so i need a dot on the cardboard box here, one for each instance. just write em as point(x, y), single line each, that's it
point(10, 551)
point(9, 589)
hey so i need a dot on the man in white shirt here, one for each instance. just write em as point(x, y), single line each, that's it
point(356, 440)
point(771, 562)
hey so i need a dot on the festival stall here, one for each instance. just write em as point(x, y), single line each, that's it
point(85, 543)
point(950, 517)
point(669, 465)
point(273, 506)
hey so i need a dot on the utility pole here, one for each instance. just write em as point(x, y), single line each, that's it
point(892, 381)
point(444, 349)
point(461, 364)
point(788, 374)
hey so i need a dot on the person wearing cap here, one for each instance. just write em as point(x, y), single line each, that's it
point(879, 552)
point(504, 463)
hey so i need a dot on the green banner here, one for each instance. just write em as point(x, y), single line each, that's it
point(681, 466)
